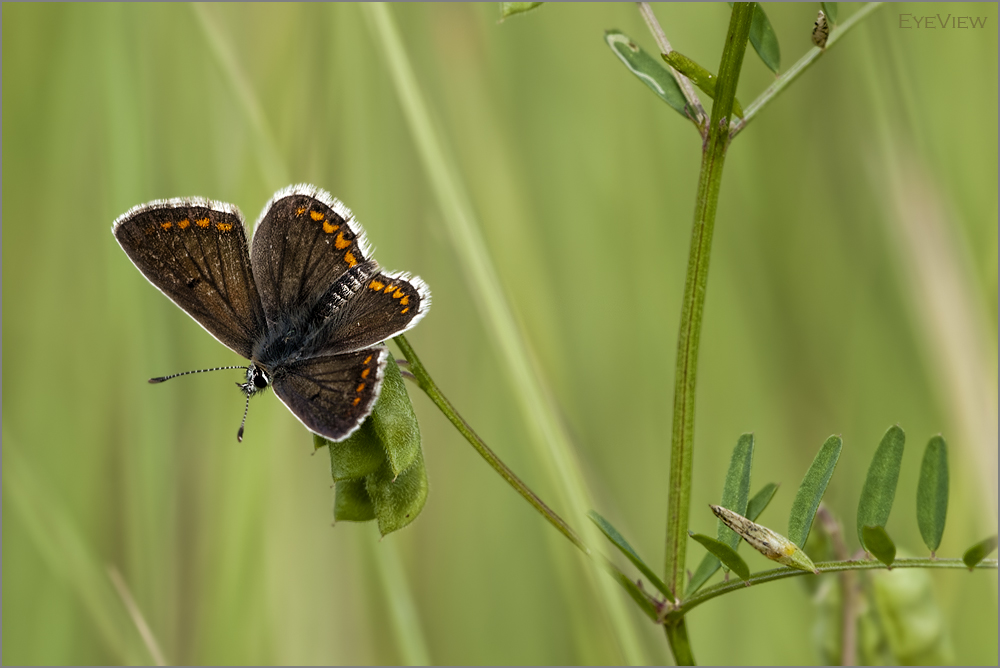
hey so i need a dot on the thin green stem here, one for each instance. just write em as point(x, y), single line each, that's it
point(796, 70)
point(710, 180)
point(430, 388)
point(685, 84)
point(708, 594)
point(427, 384)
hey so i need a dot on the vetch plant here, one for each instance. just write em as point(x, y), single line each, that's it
point(874, 621)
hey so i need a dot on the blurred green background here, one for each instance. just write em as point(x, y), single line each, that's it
point(853, 286)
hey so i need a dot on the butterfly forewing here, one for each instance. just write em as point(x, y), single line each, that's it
point(195, 252)
point(303, 242)
point(332, 394)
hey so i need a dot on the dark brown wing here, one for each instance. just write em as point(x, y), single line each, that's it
point(304, 241)
point(332, 395)
point(195, 252)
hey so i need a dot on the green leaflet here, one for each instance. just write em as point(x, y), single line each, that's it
point(725, 554)
point(812, 489)
point(878, 542)
point(619, 541)
point(979, 551)
point(736, 491)
point(508, 9)
point(648, 70)
point(880, 484)
point(932, 493)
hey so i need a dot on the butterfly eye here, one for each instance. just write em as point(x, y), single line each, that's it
point(259, 380)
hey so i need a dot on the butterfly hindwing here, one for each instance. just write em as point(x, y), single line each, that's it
point(385, 305)
point(304, 240)
point(332, 394)
point(195, 252)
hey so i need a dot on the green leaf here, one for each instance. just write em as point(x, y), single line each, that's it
point(725, 554)
point(351, 502)
point(760, 500)
point(619, 541)
point(878, 542)
point(649, 71)
point(811, 490)
point(763, 39)
point(399, 498)
point(736, 491)
point(830, 9)
point(979, 551)
point(508, 9)
point(698, 75)
point(358, 455)
point(710, 563)
point(932, 493)
point(880, 485)
point(638, 595)
point(394, 422)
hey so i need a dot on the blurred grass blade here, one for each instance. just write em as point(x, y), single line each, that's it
point(878, 542)
point(710, 563)
point(830, 9)
point(932, 493)
point(57, 538)
point(461, 224)
point(812, 489)
point(398, 596)
point(979, 551)
point(760, 500)
point(880, 485)
point(736, 490)
point(508, 9)
point(648, 70)
point(725, 554)
point(763, 39)
point(698, 75)
point(269, 159)
point(619, 541)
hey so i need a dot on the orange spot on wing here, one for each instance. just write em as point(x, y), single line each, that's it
point(202, 222)
point(316, 215)
point(350, 259)
point(404, 301)
point(389, 289)
point(364, 374)
point(299, 211)
point(375, 285)
point(398, 293)
point(360, 387)
point(329, 227)
point(357, 400)
point(404, 310)
point(367, 360)
point(224, 227)
point(184, 224)
point(167, 225)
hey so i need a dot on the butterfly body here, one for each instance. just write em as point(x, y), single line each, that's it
point(304, 302)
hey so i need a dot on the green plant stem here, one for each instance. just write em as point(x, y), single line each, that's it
point(430, 388)
point(796, 70)
point(426, 384)
point(685, 84)
point(709, 182)
point(708, 594)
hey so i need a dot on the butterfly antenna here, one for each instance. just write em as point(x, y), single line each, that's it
point(239, 434)
point(186, 373)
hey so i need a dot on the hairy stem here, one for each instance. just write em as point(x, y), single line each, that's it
point(695, 284)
